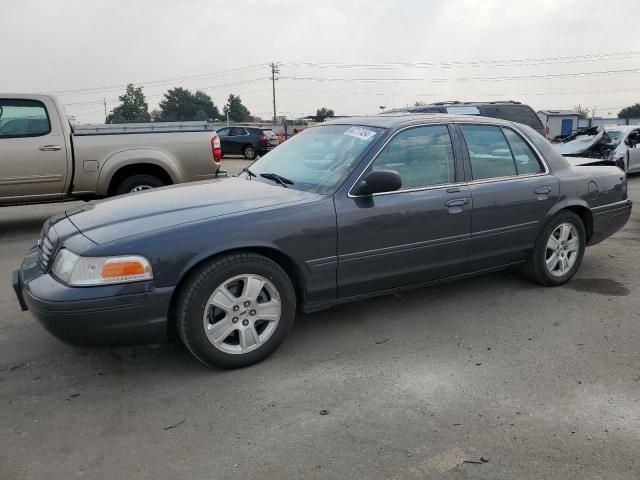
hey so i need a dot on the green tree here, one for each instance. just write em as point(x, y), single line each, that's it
point(133, 107)
point(237, 111)
point(583, 112)
point(155, 115)
point(323, 113)
point(180, 105)
point(632, 111)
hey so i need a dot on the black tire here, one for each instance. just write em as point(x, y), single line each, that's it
point(144, 181)
point(249, 152)
point(200, 285)
point(536, 270)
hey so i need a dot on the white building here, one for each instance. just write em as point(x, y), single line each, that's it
point(558, 122)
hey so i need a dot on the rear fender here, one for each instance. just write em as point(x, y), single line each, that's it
point(136, 156)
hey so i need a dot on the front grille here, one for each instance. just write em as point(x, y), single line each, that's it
point(46, 247)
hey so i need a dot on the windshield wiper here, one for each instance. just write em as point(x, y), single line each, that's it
point(277, 178)
point(248, 172)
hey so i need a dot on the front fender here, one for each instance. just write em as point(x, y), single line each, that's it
point(136, 156)
point(225, 248)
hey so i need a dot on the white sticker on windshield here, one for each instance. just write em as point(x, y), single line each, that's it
point(361, 133)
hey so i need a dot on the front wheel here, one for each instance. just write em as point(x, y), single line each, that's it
point(236, 310)
point(558, 251)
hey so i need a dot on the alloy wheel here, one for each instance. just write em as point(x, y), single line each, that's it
point(140, 188)
point(242, 313)
point(562, 250)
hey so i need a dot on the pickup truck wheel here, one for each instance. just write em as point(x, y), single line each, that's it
point(558, 250)
point(236, 310)
point(249, 152)
point(137, 183)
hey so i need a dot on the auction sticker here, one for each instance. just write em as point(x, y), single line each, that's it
point(361, 133)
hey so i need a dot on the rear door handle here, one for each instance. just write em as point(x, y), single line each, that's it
point(50, 148)
point(543, 191)
point(457, 202)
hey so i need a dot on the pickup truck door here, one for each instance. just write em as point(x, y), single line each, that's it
point(33, 150)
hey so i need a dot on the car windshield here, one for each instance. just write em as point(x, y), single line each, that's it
point(615, 136)
point(318, 159)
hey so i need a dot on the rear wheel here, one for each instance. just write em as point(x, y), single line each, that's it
point(249, 152)
point(138, 183)
point(558, 251)
point(236, 310)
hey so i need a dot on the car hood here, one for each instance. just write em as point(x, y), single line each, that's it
point(579, 145)
point(150, 210)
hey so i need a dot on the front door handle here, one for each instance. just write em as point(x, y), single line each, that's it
point(457, 202)
point(543, 191)
point(50, 148)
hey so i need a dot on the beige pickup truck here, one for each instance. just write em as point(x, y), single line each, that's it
point(43, 158)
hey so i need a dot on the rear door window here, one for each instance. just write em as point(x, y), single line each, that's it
point(489, 152)
point(23, 118)
point(526, 161)
point(497, 152)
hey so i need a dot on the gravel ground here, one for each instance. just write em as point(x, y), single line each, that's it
point(542, 383)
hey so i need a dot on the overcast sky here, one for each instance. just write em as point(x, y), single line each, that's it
point(87, 50)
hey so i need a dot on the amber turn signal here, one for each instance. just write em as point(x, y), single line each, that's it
point(122, 269)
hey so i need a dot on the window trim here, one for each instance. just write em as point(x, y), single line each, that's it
point(535, 155)
point(413, 189)
point(535, 150)
point(28, 135)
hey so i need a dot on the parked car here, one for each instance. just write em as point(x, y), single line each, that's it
point(613, 145)
point(343, 211)
point(43, 158)
point(247, 141)
point(506, 110)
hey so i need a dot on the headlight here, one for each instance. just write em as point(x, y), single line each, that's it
point(88, 271)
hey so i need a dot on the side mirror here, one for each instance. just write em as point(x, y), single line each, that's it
point(379, 181)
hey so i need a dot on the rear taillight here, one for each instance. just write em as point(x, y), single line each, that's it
point(264, 138)
point(216, 149)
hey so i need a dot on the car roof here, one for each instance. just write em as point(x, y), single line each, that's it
point(394, 120)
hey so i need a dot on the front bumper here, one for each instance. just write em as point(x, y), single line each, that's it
point(110, 315)
point(608, 219)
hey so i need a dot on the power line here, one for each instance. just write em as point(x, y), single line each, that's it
point(437, 94)
point(479, 63)
point(211, 87)
point(545, 76)
point(232, 71)
point(471, 63)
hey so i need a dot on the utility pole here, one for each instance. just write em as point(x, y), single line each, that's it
point(274, 70)
point(104, 100)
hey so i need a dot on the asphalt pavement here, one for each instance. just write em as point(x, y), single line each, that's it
point(487, 378)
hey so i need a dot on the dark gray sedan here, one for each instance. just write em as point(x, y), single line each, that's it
point(343, 211)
